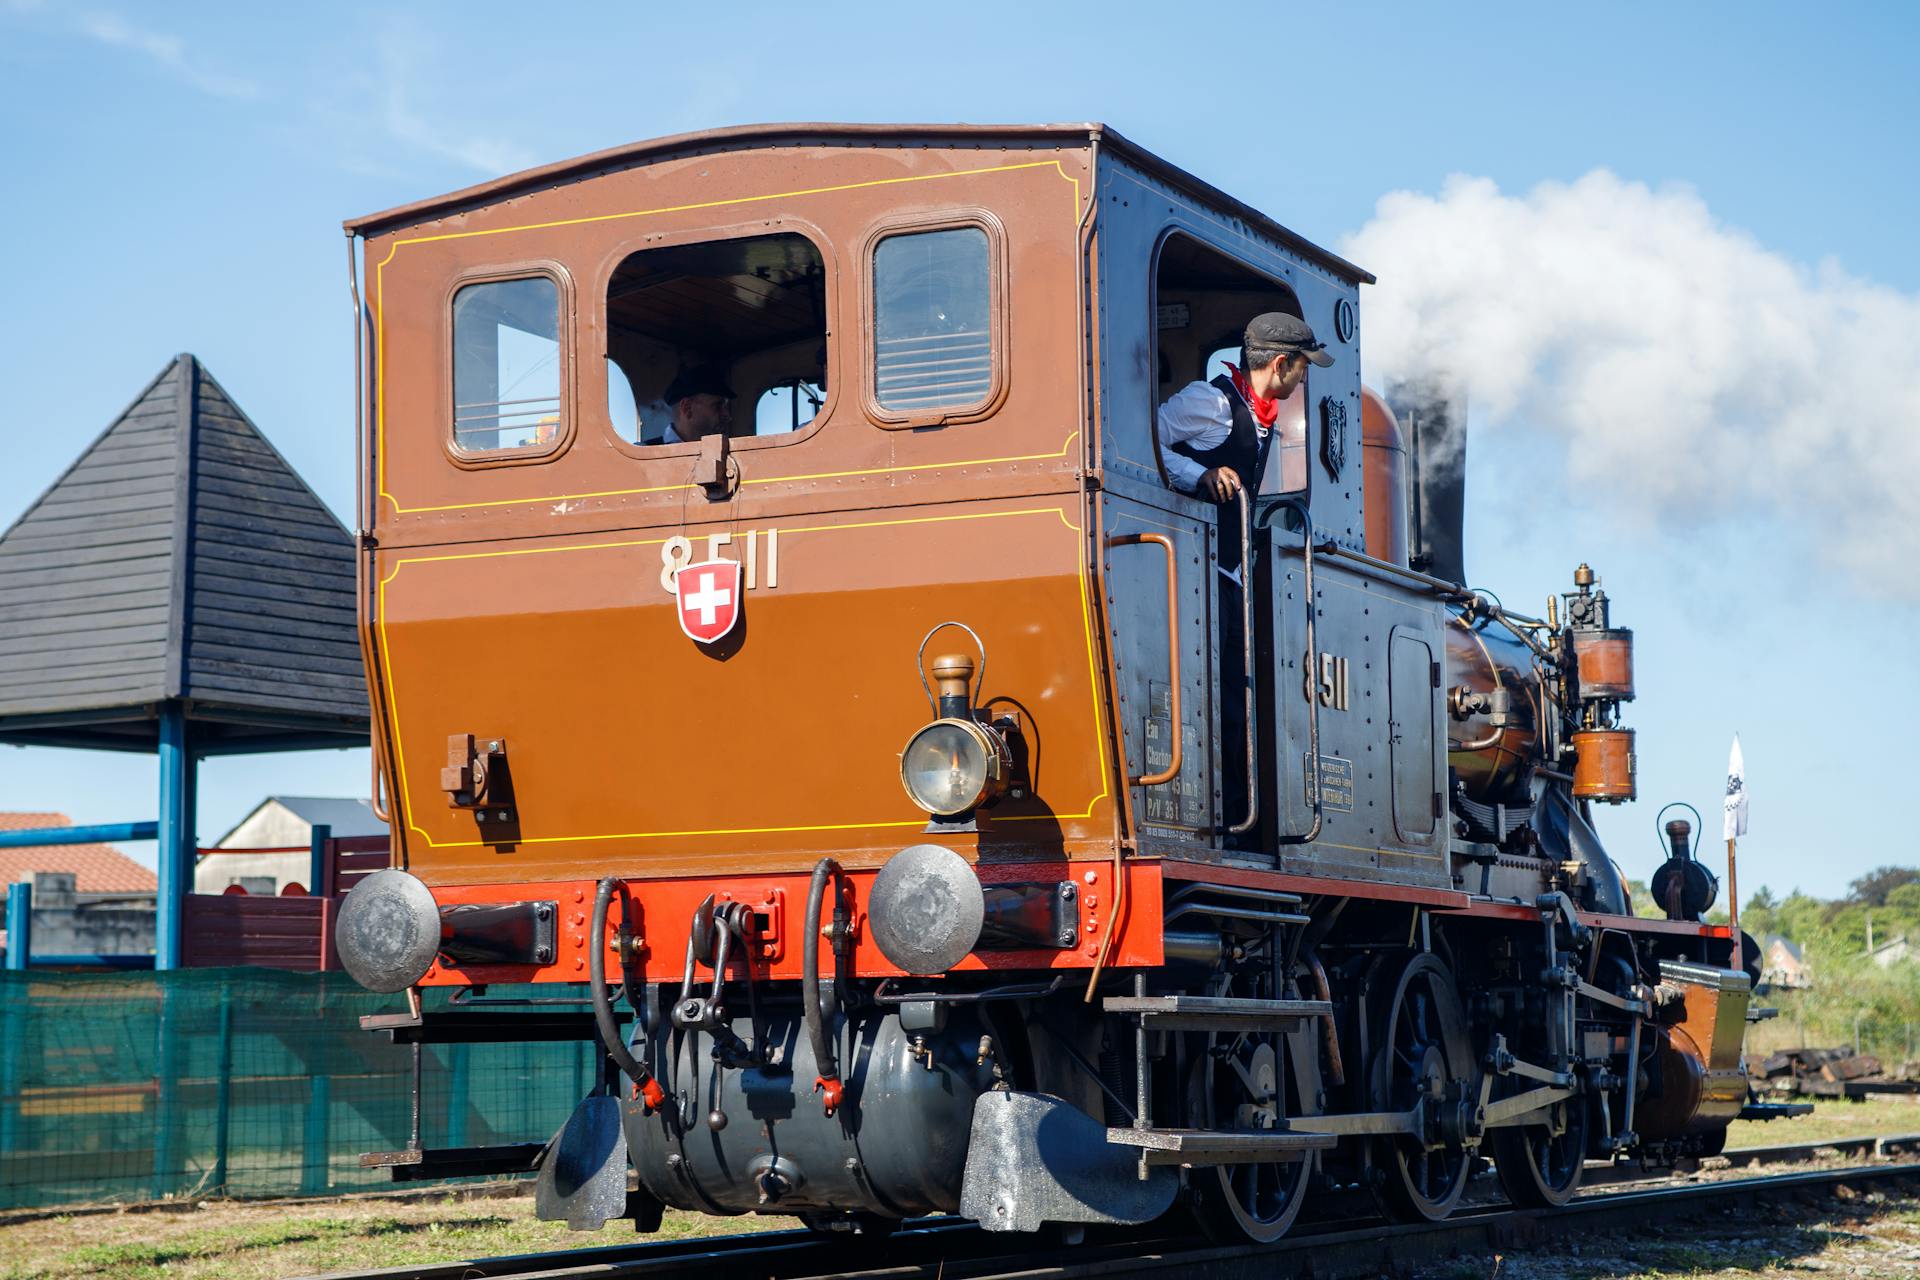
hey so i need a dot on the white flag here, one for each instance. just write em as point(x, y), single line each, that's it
point(1736, 823)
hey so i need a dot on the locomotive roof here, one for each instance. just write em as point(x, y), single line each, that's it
point(876, 135)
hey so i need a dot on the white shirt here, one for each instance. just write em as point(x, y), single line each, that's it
point(1200, 416)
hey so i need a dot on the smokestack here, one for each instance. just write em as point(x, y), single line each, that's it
point(1433, 410)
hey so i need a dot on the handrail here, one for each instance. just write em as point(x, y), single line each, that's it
point(1173, 649)
point(204, 851)
point(376, 802)
point(1246, 645)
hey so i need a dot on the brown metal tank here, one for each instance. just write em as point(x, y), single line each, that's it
point(1604, 770)
point(1605, 663)
point(1383, 456)
point(1480, 660)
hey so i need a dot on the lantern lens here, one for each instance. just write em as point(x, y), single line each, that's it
point(945, 768)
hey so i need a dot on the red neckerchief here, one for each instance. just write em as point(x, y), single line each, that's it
point(1265, 411)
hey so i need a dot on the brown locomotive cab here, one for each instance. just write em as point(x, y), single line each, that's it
point(530, 511)
point(780, 618)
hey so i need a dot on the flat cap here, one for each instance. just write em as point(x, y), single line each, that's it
point(700, 380)
point(1278, 331)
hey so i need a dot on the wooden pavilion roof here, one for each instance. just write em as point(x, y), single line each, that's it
point(180, 559)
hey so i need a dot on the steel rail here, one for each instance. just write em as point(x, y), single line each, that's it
point(950, 1249)
point(1875, 1147)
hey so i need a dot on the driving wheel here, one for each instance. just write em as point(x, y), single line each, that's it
point(1245, 1082)
point(1540, 1164)
point(1421, 1060)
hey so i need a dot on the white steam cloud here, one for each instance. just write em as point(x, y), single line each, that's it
point(1676, 357)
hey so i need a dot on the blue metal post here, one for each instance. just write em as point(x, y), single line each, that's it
point(459, 1082)
point(169, 1009)
point(20, 925)
point(13, 1019)
point(176, 854)
point(315, 1175)
point(174, 862)
point(223, 1097)
point(317, 860)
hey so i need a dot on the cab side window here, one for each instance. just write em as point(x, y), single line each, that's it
point(787, 406)
point(932, 320)
point(735, 328)
point(1203, 300)
point(507, 362)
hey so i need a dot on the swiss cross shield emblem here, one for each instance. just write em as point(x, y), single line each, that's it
point(708, 594)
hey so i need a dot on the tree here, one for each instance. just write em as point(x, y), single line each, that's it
point(1757, 917)
point(1871, 889)
point(1905, 901)
point(1643, 904)
point(1799, 916)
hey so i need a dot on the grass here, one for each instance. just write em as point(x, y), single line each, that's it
point(1832, 1118)
point(265, 1241)
point(236, 1240)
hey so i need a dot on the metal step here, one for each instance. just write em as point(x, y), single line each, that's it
point(1216, 1013)
point(418, 1165)
point(487, 1026)
point(1214, 1146)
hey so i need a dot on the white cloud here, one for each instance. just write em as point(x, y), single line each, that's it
point(1686, 367)
point(486, 154)
point(169, 52)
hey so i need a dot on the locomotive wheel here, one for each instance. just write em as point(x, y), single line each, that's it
point(1420, 1048)
point(1540, 1164)
point(1245, 1082)
point(1242, 1081)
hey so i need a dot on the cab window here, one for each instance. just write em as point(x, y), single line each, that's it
point(1203, 300)
point(735, 329)
point(506, 366)
point(932, 320)
point(787, 406)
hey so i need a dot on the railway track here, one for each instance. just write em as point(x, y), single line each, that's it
point(954, 1250)
point(1879, 1147)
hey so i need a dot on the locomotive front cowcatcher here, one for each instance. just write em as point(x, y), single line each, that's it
point(779, 621)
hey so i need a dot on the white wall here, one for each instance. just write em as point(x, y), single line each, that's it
point(273, 825)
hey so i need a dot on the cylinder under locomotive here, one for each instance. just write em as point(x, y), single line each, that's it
point(863, 756)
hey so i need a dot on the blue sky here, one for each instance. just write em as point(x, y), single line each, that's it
point(176, 177)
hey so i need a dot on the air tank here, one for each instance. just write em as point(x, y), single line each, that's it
point(1493, 762)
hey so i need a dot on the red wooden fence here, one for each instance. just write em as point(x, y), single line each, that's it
point(285, 932)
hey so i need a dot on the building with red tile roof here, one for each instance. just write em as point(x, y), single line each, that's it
point(96, 868)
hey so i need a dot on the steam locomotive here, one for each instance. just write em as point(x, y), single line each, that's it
point(864, 756)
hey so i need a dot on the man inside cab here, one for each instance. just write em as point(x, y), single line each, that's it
point(702, 404)
point(1215, 436)
point(1214, 441)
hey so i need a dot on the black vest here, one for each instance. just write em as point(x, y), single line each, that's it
point(1244, 452)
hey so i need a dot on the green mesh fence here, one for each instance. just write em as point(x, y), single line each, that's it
point(241, 1082)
